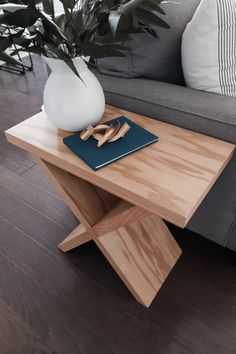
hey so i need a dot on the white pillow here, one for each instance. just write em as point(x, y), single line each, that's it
point(209, 48)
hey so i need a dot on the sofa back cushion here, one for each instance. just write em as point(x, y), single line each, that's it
point(151, 58)
point(209, 48)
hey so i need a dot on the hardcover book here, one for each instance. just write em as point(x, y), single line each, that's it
point(136, 138)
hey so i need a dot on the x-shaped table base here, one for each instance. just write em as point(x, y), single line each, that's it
point(137, 243)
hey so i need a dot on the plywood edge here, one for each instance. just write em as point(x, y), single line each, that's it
point(76, 238)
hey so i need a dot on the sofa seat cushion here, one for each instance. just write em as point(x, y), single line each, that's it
point(200, 111)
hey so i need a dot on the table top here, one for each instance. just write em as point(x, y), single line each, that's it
point(169, 178)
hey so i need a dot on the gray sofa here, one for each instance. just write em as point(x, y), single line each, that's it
point(204, 112)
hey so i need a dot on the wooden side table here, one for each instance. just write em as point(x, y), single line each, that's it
point(121, 206)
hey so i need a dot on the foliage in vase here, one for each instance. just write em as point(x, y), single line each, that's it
point(95, 28)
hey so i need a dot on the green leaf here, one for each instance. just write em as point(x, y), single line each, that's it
point(5, 42)
point(69, 32)
point(68, 4)
point(114, 20)
point(61, 55)
point(61, 22)
point(121, 36)
point(129, 7)
point(9, 59)
point(152, 6)
point(11, 7)
point(48, 7)
point(20, 18)
point(97, 50)
point(90, 31)
point(98, 6)
point(150, 18)
point(149, 29)
point(87, 27)
point(51, 27)
point(158, 8)
point(135, 7)
point(76, 21)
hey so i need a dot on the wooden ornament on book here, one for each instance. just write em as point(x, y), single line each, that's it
point(104, 133)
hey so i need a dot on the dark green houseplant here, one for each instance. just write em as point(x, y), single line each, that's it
point(95, 28)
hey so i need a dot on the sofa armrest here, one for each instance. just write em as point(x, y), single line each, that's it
point(204, 112)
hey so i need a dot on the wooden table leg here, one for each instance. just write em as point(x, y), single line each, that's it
point(77, 237)
point(137, 244)
point(142, 253)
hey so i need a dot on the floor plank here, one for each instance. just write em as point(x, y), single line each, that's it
point(34, 174)
point(47, 203)
point(49, 234)
point(95, 308)
point(26, 340)
point(26, 285)
point(14, 159)
point(21, 96)
point(103, 312)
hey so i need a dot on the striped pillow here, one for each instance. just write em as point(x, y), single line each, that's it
point(209, 48)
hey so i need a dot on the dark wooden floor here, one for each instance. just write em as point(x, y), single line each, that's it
point(74, 303)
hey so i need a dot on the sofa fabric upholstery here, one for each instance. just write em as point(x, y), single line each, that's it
point(151, 58)
point(216, 215)
point(200, 111)
point(231, 239)
point(203, 112)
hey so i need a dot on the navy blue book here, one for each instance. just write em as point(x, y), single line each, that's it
point(135, 139)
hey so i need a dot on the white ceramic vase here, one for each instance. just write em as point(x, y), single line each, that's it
point(70, 103)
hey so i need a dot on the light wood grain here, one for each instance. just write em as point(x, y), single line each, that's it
point(87, 203)
point(169, 178)
point(76, 238)
point(121, 214)
point(142, 253)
